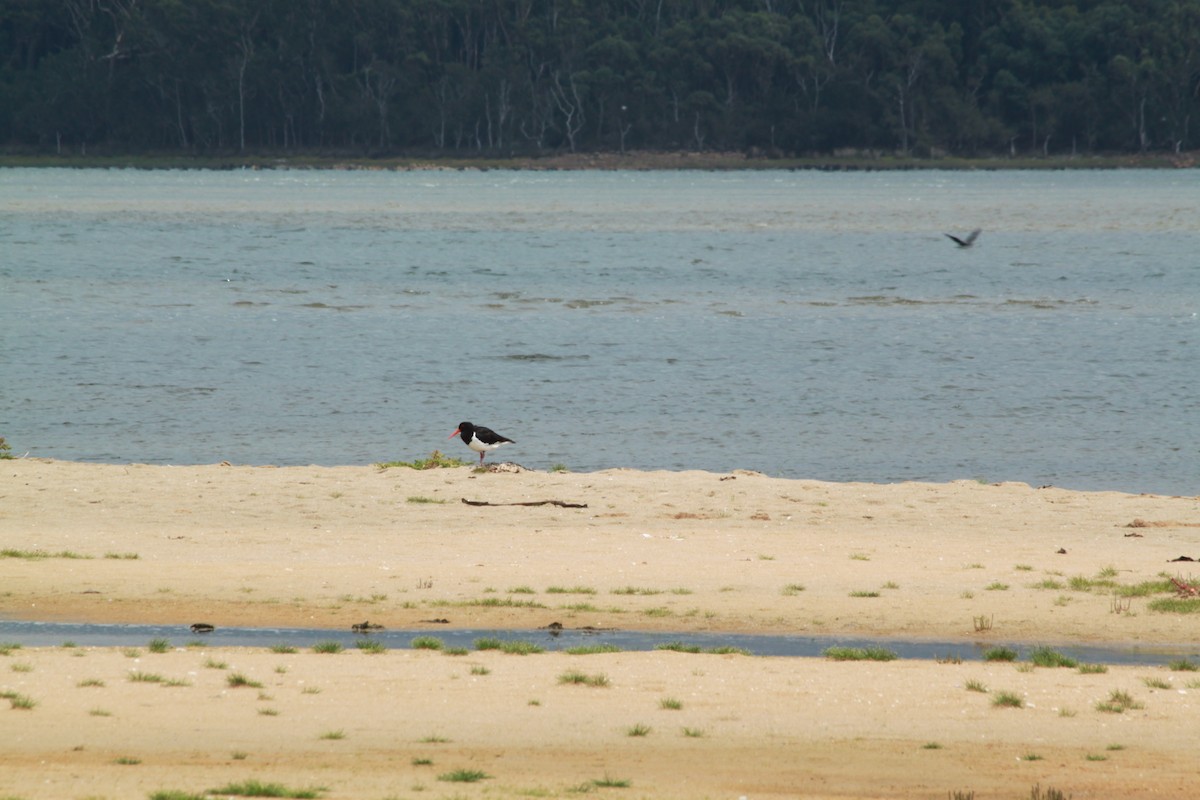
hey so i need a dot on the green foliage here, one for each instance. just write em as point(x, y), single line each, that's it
point(1047, 657)
point(254, 788)
point(5, 449)
point(436, 460)
point(859, 654)
point(887, 76)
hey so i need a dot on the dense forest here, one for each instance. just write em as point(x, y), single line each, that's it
point(504, 77)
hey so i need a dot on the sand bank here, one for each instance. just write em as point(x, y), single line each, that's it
point(692, 551)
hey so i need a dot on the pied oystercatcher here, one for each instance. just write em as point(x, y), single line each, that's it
point(479, 438)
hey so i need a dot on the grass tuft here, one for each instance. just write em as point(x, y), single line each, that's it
point(859, 654)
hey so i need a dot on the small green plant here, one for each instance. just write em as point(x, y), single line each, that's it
point(1095, 757)
point(578, 678)
point(611, 783)
point(371, 646)
point(127, 761)
point(283, 649)
point(1031, 757)
point(559, 468)
point(7, 648)
point(212, 663)
point(21, 666)
point(159, 645)
point(239, 681)
point(983, 623)
point(792, 589)
point(931, 746)
point(1049, 793)
point(1007, 700)
point(1092, 669)
point(638, 730)
point(670, 704)
point(570, 590)
point(693, 733)
point(418, 499)
point(518, 647)
point(1183, 665)
point(1047, 657)
point(19, 701)
point(999, 654)
point(254, 788)
point(1156, 683)
point(1175, 605)
point(464, 776)
point(436, 460)
point(859, 654)
point(1119, 701)
point(479, 669)
point(96, 682)
point(973, 685)
point(137, 676)
point(5, 449)
point(333, 735)
point(426, 643)
point(327, 647)
point(864, 593)
point(996, 586)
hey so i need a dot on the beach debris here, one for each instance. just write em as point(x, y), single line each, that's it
point(1185, 589)
point(1062, 551)
point(555, 628)
point(559, 503)
point(439, 621)
point(364, 627)
point(1161, 523)
point(202, 627)
point(1181, 558)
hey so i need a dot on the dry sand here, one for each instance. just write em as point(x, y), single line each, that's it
point(688, 552)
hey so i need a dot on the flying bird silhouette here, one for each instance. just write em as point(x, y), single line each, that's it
point(967, 242)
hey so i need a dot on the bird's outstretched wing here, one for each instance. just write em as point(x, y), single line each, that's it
point(967, 242)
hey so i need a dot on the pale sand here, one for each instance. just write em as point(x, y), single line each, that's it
point(327, 547)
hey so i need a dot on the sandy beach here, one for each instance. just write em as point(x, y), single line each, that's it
point(325, 547)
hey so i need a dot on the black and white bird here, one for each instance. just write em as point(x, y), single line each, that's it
point(967, 242)
point(479, 438)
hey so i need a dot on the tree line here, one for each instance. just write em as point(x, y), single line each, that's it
point(506, 77)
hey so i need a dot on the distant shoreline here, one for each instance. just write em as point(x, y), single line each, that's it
point(638, 161)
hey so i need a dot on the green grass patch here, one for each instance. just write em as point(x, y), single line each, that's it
point(239, 681)
point(1119, 701)
point(426, 643)
point(255, 788)
point(1007, 700)
point(999, 654)
point(436, 460)
point(38, 555)
point(327, 647)
point(570, 590)
point(1175, 605)
point(424, 500)
point(1048, 657)
point(838, 653)
point(464, 776)
point(371, 646)
point(574, 677)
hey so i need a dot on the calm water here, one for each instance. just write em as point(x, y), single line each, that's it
point(54, 634)
point(801, 324)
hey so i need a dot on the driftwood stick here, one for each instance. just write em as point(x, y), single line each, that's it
point(559, 503)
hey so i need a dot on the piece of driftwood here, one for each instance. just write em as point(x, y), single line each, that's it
point(559, 503)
